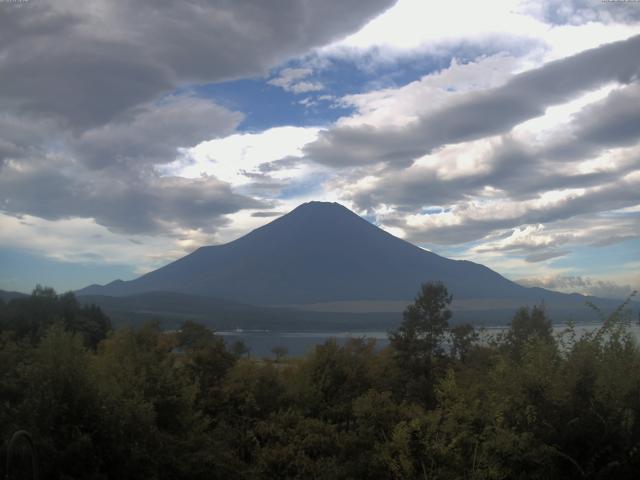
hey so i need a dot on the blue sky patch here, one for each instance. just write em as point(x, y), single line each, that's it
point(266, 106)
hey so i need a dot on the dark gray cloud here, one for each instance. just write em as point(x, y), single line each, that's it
point(107, 173)
point(88, 62)
point(283, 163)
point(520, 170)
point(515, 173)
point(267, 214)
point(51, 189)
point(92, 85)
point(51, 173)
point(22, 136)
point(611, 122)
point(152, 134)
point(477, 223)
point(479, 114)
point(83, 82)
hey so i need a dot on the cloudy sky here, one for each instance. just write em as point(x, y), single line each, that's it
point(504, 132)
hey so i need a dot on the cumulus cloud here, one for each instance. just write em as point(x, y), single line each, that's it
point(580, 12)
point(153, 133)
point(479, 114)
point(52, 174)
point(23, 135)
point(262, 165)
point(52, 188)
point(474, 220)
point(531, 238)
point(534, 192)
point(89, 62)
point(83, 240)
point(99, 86)
point(613, 121)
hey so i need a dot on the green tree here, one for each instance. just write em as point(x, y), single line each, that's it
point(194, 336)
point(30, 318)
point(330, 378)
point(528, 325)
point(279, 352)
point(60, 405)
point(149, 413)
point(206, 360)
point(463, 337)
point(240, 349)
point(424, 322)
point(418, 342)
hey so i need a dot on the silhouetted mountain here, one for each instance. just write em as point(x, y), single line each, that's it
point(323, 252)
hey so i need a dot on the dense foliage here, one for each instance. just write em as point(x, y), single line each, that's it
point(437, 403)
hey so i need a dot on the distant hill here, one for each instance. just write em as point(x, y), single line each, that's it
point(6, 296)
point(321, 256)
point(173, 308)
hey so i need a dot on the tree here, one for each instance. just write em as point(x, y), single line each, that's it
point(424, 322)
point(528, 325)
point(60, 405)
point(419, 339)
point(87, 320)
point(240, 349)
point(279, 352)
point(207, 360)
point(462, 339)
point(195, 336)
point(30, 317)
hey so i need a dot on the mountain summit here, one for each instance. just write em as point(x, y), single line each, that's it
point(318, 253)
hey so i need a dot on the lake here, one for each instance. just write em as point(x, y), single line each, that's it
point(261, 343)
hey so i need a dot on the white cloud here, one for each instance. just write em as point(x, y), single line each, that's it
point(419, 27)
point(578, 284)
point(82, 240)
point(230, 158)
point(529, 237)
point(398, 107)
point(294, 80)
point(415, 24)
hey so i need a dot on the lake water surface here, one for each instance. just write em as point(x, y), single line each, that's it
point(261, 343)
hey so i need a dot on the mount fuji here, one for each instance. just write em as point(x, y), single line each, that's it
point(323, 257)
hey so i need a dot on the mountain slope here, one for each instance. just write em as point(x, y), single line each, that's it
point(322, 252)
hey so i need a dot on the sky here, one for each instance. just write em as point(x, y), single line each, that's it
point(503, 132)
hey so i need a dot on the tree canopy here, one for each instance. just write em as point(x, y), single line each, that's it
point(439, 402)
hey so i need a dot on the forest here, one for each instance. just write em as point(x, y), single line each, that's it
point(441, 401)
